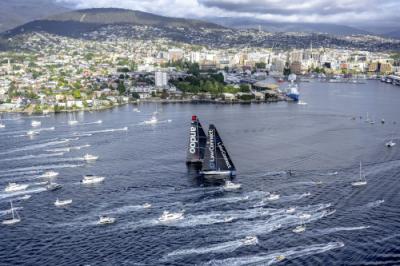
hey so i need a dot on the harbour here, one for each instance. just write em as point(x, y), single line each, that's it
point(295, 163)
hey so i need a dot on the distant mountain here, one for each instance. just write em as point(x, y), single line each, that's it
point(76, 23)
point(245, 23)
point(14, 13)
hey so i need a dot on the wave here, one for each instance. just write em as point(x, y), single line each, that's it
point(224, 247)
point(278, 255)
point(101, 131)
point(37, 146)
point(38, 168)
point(29, 157)
point(374, 204)
point(339, 229)
point(20, 193)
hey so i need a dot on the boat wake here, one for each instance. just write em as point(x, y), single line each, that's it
point(90, 133)
point(278, 255)
point(36, 146)
point(125, 209)
point(224, 247)
point(20, 193)
point(36, 169)
point(373, 204)
point(30, 157)
point(339, 229)
point(294, 197)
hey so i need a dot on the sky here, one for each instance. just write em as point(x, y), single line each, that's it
point(345, 12)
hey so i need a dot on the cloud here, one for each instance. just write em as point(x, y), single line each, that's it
point(348, 12)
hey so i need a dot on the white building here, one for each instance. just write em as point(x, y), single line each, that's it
point(161, 79)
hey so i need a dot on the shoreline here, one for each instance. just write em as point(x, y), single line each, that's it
point(138, 102)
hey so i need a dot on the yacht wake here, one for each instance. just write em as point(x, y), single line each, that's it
point(20, 193)
point(104, 131)
point(30, 157)
point(36, 146)
point(278, 255)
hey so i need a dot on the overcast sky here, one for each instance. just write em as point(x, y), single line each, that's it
point(347, 12)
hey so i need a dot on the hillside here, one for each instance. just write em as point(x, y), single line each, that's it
point(14, 13)
point(78, 22)
point(270, 26)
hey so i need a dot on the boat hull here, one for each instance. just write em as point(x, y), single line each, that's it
point(294, 96)
point(217, 174)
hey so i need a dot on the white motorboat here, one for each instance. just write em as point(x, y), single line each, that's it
point(106, 220)
point(362, 181)
point(49, 174)
point(231, 186)
point(36, 123)
point(290, 210)
point(60, 203)
point(89, 157)
point(15, 217)
point(92, 179)
point(170, 216)
point(152, 121)
point(32, 132)
point(72, 122)
point(136, 110)
point(250, 240)
point(390, 144)
point(13, 187)
point(146, 205)
point(2, 125)
point(299, 229)
point(273, 196)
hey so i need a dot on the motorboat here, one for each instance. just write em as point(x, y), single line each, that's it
point(362, 181)
point(170, 216)
point(231, 186)
point(280, 258)
point(15, 217)
point(299, 229)
point(13, 187)
point(290, 210)
point(60, 203)
point(36, 123)
point(390, 144)
point(2, 125)
point(152, 121)
point(273, 196)
point(319, 182)
point(92, 179)
point(49, 174)
point(146, 205)
point(136, 110)
point(250, 240)
point(89, 157)
point(106, 220)
point(228, 219)
point(53, 186)
point(32, 132)
point(72, 122)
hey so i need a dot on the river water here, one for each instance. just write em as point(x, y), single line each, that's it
point(319, 142)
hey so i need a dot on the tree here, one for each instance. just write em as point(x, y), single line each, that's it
point(121, 88)
point(76, 93)
point(244, 87)
point(194, 69)
point(260, 65)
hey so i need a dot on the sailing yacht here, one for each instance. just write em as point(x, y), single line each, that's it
point(197, 142)
point(15, 217)
point(217, 162)
point(362, 181)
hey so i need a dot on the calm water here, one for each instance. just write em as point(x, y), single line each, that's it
point(347, 225)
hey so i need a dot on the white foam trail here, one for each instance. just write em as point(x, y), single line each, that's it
point(5, 212)
point(19, 193)
point(36, 146)
point(125, 209)
point(41, 168)
point(374, 204)
point(272, 258)
point(224, 247)
point(103, 131)
point(90, 123)
point(338, 229)
point(283, 199)
point(45, 129)
point(30, 157)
